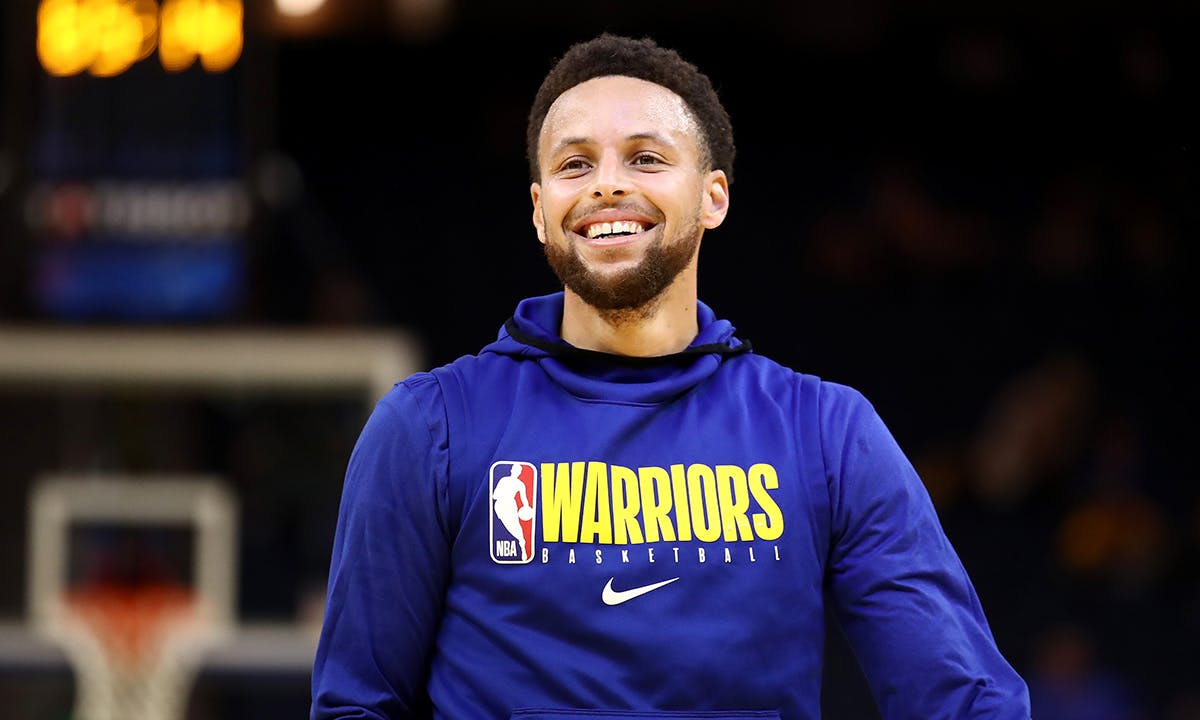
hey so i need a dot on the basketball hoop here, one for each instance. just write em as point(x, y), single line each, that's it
point(134, 633)
point(135, 650)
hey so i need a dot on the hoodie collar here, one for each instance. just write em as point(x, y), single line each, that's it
point(533, 333)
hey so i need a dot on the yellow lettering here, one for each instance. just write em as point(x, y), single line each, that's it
point(626, 503)
point(656, 503)
point(679, 489)
point(562, 496)
point(593, 502)
point(734, 498)
point(596, 525)
point(768, 524)
point(702, 496)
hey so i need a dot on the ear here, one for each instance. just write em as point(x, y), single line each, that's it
point(539, 220)
point(715, 202)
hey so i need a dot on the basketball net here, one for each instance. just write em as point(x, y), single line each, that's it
point(135, 650)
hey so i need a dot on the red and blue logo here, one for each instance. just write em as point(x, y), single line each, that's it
point(513, 496)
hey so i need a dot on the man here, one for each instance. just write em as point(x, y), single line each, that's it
point(696, 504)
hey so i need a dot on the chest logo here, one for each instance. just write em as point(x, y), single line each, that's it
point(513, 494)
point(616, 597)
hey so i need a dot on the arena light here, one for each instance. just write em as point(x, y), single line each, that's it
point(207, 29)
point(64, 47)
point(106, 37)
point(124, 34)
point(298, 8)
point(103, 37)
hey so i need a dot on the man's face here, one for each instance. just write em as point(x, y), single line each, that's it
point(624, 197)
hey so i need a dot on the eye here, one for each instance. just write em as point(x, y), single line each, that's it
point(647, 160)
point(574, 165)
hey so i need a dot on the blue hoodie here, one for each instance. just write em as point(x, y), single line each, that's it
point(549, 533)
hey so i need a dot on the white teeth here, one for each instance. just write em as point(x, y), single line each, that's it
point(621, 226)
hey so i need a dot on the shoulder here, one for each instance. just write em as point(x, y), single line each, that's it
point(830, 394)
point(430, 393)
point(417, 401)
point(835, 411)
point(416, 390)
point(428, 388)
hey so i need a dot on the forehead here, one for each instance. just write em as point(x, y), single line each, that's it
point(616, 106)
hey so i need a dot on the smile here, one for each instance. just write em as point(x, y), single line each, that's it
point(613, 233)
point(605, 230)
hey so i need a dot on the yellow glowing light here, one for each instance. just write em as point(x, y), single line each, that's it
point(63, 45)
point(176, 47)
point(118, 32)
point(105, 37)
point(221, 39)
point(147, 14)
point(208, 29)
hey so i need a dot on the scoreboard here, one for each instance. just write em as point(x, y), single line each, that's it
point(136, 203)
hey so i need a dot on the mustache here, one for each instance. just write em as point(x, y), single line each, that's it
point(634, 207)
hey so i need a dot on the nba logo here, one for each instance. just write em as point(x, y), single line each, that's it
point(513, 498)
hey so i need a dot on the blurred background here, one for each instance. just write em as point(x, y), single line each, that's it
point(981, 215)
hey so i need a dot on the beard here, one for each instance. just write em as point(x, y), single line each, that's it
point(631, 289)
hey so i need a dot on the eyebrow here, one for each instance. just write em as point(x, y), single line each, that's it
point(568, 142)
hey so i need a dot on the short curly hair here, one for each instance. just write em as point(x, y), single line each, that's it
point(609, 54)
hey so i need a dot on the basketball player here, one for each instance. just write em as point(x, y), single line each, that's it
point(698, 506)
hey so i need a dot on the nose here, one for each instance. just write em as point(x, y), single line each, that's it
point(608, 180)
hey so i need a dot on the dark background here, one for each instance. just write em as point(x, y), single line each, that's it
point(982, 217)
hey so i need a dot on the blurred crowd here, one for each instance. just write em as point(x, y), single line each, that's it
point(1034, 364)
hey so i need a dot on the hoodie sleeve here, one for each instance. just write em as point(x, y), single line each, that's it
point(389, 567)
point(898, 588)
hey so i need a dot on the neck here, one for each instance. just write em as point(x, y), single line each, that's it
point(665, 325)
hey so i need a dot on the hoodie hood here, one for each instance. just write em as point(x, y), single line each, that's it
point(532, 333)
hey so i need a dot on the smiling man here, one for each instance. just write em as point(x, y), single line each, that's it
point(617, 510)
point(624, 197)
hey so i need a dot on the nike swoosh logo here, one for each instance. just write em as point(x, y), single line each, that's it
point(616, 597)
